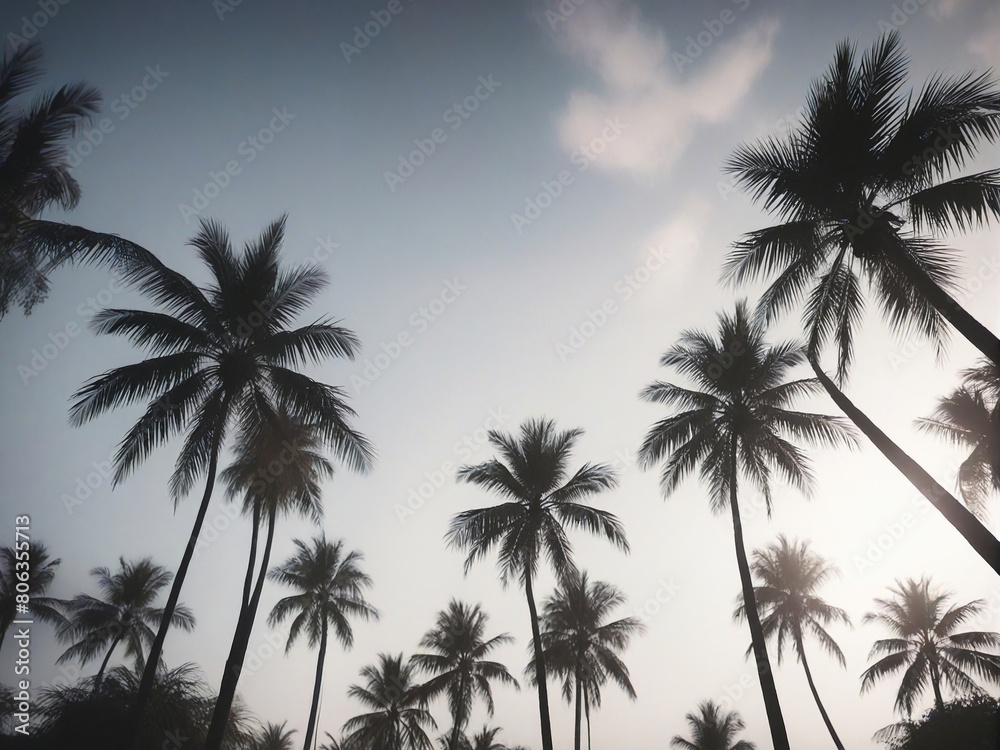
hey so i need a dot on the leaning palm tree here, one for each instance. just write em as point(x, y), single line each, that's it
point(41, 569)
point(713, 729)
point(397, 718)
point(968, 417)
point(277, 469)
point(926, 647)
point(459, 665)
point(331, 589)
point(274, 737)
point(789, 574)
point(583, 649)
point(737, 421)
point(853, 189)
point(856, 185)
point(35, 175)
point(540, 501)
point(218, 355)
point(125, 613)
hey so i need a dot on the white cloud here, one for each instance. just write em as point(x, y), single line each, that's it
point(661, 100)
point(985, 42)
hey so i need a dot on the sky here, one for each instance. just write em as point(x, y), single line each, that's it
point(520, 205)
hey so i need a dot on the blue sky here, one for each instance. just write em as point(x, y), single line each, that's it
point(530, 196)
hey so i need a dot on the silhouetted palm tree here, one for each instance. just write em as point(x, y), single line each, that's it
point(40, 572)
point(125, 613)
point(540, 501)
point(737, 421)
point(856, 184)
point(397, 715)
point(968, 417)
point(487, 739)
point(219, 353)
point(926, 647)
point(335, 744)
point(459, 664)
point(331, 588)
point(789, 574)
point(277, 469)
point(35, 175)
point(274, 737)
point(713, 729)
point(583, 649)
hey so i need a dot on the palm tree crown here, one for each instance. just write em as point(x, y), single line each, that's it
point(41, 571)
point(125, 614)
point(853, 187)
point(459, 664)
point(713, 729)
point(926, 647)
point(397, 716)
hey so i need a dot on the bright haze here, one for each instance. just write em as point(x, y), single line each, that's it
point(520, 205)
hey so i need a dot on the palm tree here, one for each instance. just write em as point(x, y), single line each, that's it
point(331, 588)
point(968, 418)
point(40, 572)
point(459, 663)
point(277, 469)
point(274, 737)
point(789, 574)
point(540, 501)
point(35, 175)
point(124, 614)
point(487, 739)
point(219, 354)
point(334, 744)
point(713, 729)
point(737, 421)
point(926, 646)
point(581, 648)
point(855, 186)
point(397, 715)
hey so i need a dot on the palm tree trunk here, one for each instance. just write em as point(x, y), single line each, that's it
point(970, 527)
point(543, 688)
point(3, 632)
point(586, 712)
point(104, 664)
point(311, 726)
point(936, 684)
point(238, 650)
point(779, 735)
point(578, 724)
point(458, 720)
point(812, 687)
point(974, 331)
point(248, 581)
point(149, 673)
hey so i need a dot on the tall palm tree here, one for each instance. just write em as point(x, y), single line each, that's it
point(738, 421)
point(926, 647)
point(125, 613)
point(41, 569)
point(855, 186)
point(539, 502)
point(331, 589)
point(277, 469)
point(35, 175)
point(397, 714)
point(968, 418)
point(789, 574)
point(459, 664)
point(218, 355)
point(713, 729)
point(581, 647)
point(274, 737)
